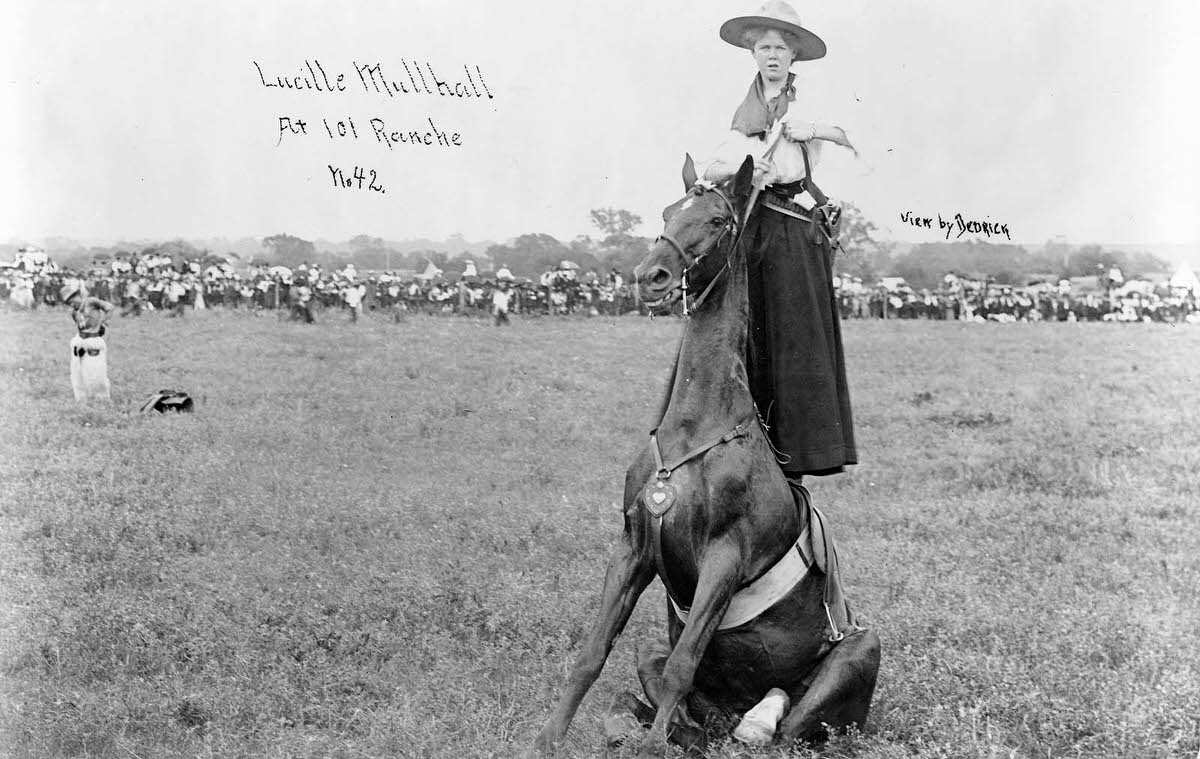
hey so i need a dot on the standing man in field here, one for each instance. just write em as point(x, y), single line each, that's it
point(501, 301)
point(176, 296)
point(353, 296)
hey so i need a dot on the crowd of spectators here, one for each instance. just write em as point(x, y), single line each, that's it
point(136, 285)
point(1104, 298)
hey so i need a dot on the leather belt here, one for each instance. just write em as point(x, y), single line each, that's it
point(786, 207)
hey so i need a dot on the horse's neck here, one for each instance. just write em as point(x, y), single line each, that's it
point(710, 392)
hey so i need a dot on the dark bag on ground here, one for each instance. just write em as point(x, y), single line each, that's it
point(168, 400)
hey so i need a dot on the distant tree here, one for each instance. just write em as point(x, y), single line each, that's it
point(288, 250)
point(1054, 257)
point(616, 225)
point(366, 242)
point(925, 265)
point(1092, 260)
point(1142, 263)
point(862, 255)
point(619, 248)
point(531, 254)
point(583, 246)
point(374, 253)
point(177, 249)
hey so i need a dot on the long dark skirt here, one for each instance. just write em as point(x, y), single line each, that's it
point(795, 360)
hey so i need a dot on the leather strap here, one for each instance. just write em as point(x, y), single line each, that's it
point(814, 549)
point(664, 471)
point(786, 207)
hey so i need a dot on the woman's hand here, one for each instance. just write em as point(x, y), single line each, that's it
point(797, 129)
point(762, 170)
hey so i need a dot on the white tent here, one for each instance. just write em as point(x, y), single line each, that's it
point(1185, 279)
point(430, 272)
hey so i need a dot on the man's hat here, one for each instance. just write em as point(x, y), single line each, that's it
point(778, 15)
point(68, 290)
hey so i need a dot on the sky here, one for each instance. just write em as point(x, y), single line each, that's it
point(134, 119)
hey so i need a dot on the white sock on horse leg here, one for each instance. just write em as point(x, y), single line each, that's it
point(758, 725)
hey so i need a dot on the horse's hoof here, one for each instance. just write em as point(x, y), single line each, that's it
point(758, 725)
point(543, 745)
point(693, 740)
point(653, 746)
point(622, 730)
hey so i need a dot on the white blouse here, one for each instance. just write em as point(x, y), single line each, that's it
point(787, 159)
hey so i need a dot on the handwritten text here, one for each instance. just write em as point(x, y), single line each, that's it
point(957, 223)
point(320, 80)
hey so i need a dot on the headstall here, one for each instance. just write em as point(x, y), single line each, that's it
point(690, 260)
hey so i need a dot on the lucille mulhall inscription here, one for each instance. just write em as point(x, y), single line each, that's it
point(382, 82)
point(419, 78)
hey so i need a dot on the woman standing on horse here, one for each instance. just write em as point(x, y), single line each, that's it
point(795, 360)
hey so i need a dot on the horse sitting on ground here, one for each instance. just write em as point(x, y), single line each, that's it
point(754, 601)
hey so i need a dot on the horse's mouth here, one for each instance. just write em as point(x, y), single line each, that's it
point(668, 299)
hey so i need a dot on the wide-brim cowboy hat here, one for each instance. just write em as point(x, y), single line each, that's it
point(778, 15)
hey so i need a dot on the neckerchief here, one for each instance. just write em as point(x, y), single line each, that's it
point(755, 115)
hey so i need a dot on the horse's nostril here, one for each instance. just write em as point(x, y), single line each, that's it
point(659, 276)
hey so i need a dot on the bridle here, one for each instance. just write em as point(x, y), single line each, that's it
point(690, 260)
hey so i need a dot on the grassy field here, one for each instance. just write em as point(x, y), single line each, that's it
point(386, 540)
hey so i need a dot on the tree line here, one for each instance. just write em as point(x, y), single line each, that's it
point(616, 245)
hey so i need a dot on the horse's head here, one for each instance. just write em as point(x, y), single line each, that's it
point(699, 233)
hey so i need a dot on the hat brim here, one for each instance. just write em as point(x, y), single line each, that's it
point(812, 47)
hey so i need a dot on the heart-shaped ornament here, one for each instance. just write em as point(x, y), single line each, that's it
point(659, 497)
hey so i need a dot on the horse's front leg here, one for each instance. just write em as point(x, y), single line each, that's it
point(720, 575)
point(629, 572)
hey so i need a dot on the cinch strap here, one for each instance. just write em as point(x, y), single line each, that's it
point(814, 549)
point(764, 592)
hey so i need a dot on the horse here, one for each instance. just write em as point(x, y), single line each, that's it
point(754, 599)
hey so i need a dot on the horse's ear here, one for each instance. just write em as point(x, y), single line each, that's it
point(743, 180)
point(689, 172)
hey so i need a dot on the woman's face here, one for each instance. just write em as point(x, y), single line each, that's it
point(773, 57)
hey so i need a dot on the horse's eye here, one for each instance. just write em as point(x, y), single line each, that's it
point(717, 221)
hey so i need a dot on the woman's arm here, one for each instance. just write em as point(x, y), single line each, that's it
point(834, 134)
point(718, 171)
point(729, 155)
point(797, 129)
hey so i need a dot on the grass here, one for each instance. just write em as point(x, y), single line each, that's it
point(386, 540)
